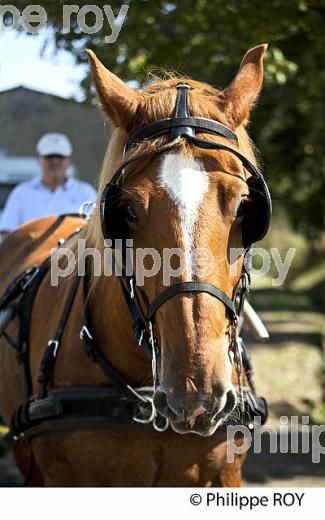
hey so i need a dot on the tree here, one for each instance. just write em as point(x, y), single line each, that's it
point(206, 39)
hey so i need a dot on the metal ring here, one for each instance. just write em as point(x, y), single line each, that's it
point(88, 204)
point(161, 428)
point(152, 416)
point(55, 345)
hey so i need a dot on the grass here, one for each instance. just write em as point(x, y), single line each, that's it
point(309, 278)
point(288, 373)
point(289, 368)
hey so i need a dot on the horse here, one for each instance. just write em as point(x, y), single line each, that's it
point(106, 405)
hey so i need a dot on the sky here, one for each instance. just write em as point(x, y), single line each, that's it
point(22, 65)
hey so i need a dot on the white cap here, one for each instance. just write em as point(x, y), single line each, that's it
point(54, 144)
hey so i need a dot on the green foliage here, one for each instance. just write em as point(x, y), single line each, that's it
point(206, 39)
point(318, 414)
point(282, 237)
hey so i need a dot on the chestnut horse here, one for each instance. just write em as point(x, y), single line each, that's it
point(184, 197)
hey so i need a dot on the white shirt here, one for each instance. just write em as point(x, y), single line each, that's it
point(32, 199)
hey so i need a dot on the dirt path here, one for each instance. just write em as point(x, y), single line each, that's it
point(288, 372)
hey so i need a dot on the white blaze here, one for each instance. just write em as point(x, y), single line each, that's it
point(186, 182)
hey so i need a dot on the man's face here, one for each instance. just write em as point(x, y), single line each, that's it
point(54, 166)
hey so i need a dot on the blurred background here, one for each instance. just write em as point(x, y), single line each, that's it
point(45, 86)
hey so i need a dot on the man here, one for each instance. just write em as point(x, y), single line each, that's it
point(52, 193)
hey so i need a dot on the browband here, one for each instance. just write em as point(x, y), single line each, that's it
point(164, 126)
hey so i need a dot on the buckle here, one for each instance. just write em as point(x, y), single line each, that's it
point(131, 283)
point(234, 324)
point(85, 211)
point(255, 406)
point(85, 332)
point(87, 339)
point(141, 338)
point(54, 344)
point(154, 355)
point(146, 411)
point(245, 282)
point(29, 277)
point(160, 423)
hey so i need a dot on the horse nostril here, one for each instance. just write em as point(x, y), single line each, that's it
point(165, 404)
point(229, 403)
point(160, 401)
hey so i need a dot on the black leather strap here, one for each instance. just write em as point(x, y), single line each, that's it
point(182, 111)
point(255, 406)
point(139, 326)
point(95, 353)
point(164, 126)
point(164, 148)
point(90, 406)
point(25, 308)
point(51, 351)
point(212, 145)
point(86, 402)
point(18, 286)
point(190, 287)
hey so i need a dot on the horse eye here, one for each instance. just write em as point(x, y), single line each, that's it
point(130, 214)
point(241, 210)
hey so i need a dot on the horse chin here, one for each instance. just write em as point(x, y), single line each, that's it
point(204, 430)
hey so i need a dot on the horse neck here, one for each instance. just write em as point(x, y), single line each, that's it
point(111, 326)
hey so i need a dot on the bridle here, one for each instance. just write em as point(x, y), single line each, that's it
point(182, 125)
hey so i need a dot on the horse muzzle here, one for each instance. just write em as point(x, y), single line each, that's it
point(196, 413)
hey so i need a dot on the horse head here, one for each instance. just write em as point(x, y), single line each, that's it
point(185, 211)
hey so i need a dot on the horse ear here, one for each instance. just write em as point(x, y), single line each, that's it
point(240, 96)
point(118, 100)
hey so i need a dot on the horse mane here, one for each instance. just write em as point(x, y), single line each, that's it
point(160, 101)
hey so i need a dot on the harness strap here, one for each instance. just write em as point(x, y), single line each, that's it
point(12, 343)
point(50, 354)
point(88, 407)
point(139, 330)
point(94, 352)
point(211, 145)
point(182, 112)
point(25, 308)
point(18, 286)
